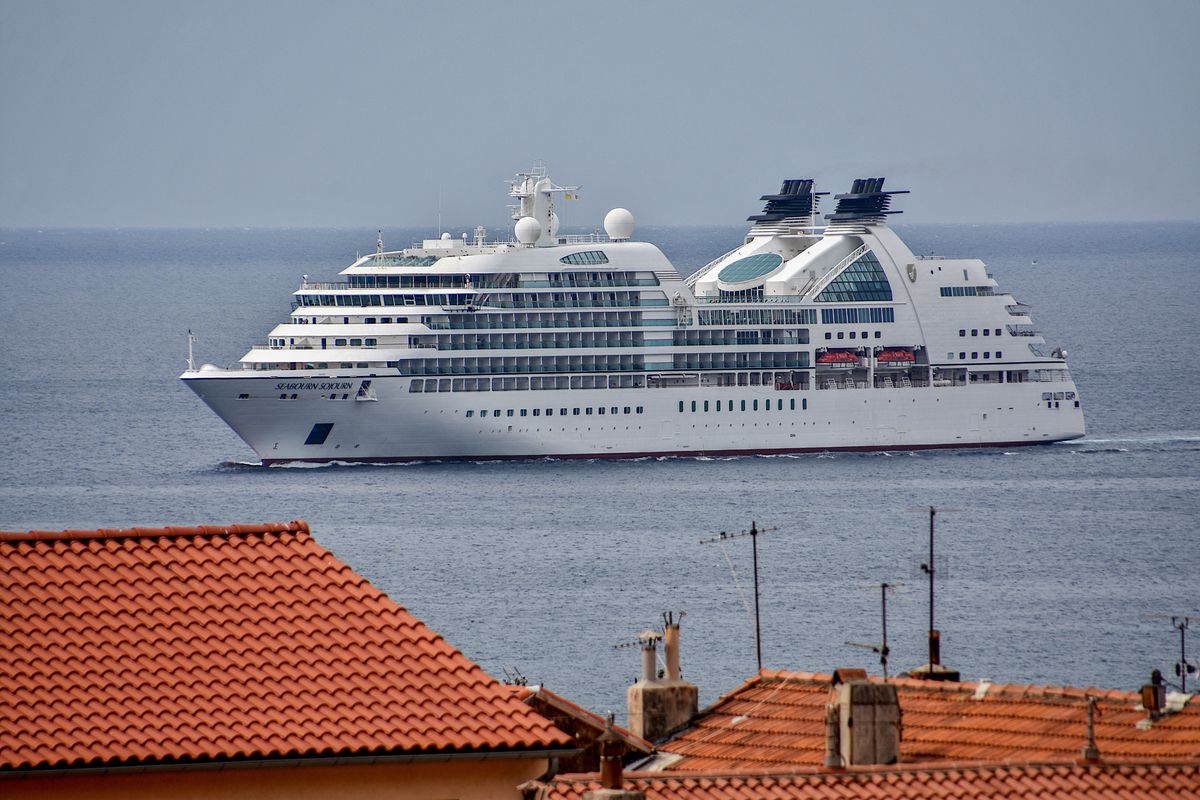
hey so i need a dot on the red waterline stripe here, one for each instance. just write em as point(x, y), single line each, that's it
point(666, 453)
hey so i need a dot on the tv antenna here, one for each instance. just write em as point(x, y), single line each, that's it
point(931, 569)
point(514, 678)
point(647, 641)
point(882, 647)
point(1181, 623)
point(753, 533)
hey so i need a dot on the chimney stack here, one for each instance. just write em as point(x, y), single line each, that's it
point(658, 706)
point(868, 719)
point(1154, 695)
point(612, 771)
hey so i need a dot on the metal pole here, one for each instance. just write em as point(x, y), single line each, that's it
point(757, 627)
point(883, 652)
point(1183, 665)
point(934, 648)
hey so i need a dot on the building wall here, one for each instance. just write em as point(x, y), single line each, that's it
point(438, 780)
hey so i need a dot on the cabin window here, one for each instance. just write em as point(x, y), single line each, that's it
point(470, 413)
point(962, 331)
point(339, 342)
point(680, 406)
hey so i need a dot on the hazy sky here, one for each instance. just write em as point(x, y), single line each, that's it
point(249, 113)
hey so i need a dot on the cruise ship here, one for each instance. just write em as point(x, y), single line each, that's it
point(814, 334)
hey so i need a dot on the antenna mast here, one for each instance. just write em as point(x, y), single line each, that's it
point(1183, 668)
point(753, 534)
point(881, 648)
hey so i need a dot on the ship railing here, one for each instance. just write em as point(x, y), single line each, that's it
point(307, 284)
point(1019, 310)
point(595, 237)
point(854, 255)
point(698, 274)
point(1022, 330)
point(770, 298)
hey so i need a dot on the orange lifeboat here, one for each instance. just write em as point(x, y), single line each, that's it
point(837, 358)
point(900, 358)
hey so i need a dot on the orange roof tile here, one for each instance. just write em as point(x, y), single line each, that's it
point(1065, 781)
point(776, 720)
point(224, 643)
point(542, 696)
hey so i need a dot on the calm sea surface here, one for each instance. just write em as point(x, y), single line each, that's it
point(1057, 556)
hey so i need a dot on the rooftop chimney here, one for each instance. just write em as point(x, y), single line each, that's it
point(1154, 695)
point(657, 706)
point(868, 720)
point(612, 775)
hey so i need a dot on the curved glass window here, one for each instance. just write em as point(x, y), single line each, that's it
point(862, 280)
point(750, 267)
point(586, 257)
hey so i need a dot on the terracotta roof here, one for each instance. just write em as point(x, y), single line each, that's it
point(122, 647)
point(990, 782)
point(776, 720)
point(545, 701)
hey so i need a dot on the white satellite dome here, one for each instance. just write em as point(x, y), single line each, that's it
point(618, 224)
point(446, 236)
point(553, 224)
point(528, 230)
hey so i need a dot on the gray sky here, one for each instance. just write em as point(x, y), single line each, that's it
point(250, 113)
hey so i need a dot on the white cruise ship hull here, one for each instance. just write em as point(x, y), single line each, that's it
point(802, 338)
point(401, 426)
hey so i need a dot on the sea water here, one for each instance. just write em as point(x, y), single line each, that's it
point(1057, 559)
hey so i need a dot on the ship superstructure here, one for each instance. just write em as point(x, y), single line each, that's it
point(806, 337)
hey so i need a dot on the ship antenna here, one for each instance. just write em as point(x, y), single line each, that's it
point(191, 364)
point(379, 243)
point(753, 534)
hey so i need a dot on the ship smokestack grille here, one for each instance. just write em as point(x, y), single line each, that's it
point(796, 198)
point(866, 200)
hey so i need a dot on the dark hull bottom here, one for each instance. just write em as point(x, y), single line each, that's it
point(668, 453)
